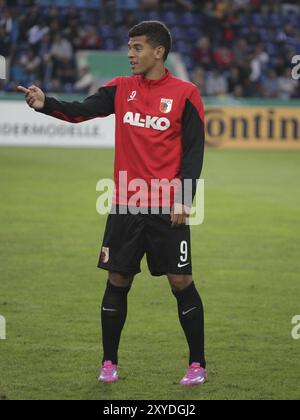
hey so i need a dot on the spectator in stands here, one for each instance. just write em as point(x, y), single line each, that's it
point(31, 64)
point(55, 28)
point(253, 36)
point(216, 84)
point(274, 6)
point(129, 21)
point(294, 44)
point(234, 78)
point(108, 12)
point(36, 34)
point(251, 89)
point(62, 55)
point(287, 85)
point(288, 32)
point(255, 5)
point(270, 85)
point(90, 39)
point(3, 5)
point(46, 60)
point(203, 54)
point(17, 72)
point(33, 17)
point(66, 73)
point(212, 24)
point(238, 92)
point(6, 21)
point(61, 49)
point(296, 94)
point(240, 52)
point(223, 57)
point(86, 81)
point(198, 78)
point(291, 7)
point(221, 8)
point(73, 33)
point(231, 25)
point(71, 16)
point(5, 43)
point(258, 63)
point(280, 63)
point(54, 15)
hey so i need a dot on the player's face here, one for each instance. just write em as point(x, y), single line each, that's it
point(142, 56)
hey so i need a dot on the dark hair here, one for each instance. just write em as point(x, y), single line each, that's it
point(156, 32)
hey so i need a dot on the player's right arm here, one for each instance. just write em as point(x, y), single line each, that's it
point(101, 104)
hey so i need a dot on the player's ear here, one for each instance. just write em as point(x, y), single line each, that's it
point(159, 52)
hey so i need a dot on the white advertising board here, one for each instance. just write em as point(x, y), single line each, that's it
point(22, 126)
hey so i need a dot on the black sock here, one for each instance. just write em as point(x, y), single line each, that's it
point(113, 317)
point(191, 316)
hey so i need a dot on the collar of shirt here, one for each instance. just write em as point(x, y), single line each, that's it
point(158, 82)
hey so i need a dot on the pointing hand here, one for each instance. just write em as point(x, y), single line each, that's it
point(34, 96)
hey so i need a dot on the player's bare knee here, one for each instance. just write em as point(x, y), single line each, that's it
point(179, 281)
point(120, 279)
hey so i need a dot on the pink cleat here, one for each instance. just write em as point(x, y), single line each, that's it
point(195, 375)
point(108, 372)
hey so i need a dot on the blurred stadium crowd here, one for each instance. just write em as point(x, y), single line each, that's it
point(238, 48)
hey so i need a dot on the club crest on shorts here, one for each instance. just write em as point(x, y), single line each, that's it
point(166, 105)
point(104, 255)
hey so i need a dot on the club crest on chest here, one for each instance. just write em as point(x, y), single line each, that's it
point(166, 105)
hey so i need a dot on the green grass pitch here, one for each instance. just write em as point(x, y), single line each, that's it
point(246, 266)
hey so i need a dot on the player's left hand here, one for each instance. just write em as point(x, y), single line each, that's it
point(179, 214)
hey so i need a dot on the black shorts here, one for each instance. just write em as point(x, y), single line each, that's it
point(129, 237)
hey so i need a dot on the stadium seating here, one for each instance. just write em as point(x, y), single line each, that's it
point(92, 4)
point(112, 20)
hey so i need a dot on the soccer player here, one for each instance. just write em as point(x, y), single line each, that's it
point(159, 136)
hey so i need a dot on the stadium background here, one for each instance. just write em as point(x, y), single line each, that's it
point(239, 53)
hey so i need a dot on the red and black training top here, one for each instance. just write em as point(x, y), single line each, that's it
point(159, 129)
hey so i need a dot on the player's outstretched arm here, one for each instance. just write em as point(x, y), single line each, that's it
point(34, 96)
point(101, 104)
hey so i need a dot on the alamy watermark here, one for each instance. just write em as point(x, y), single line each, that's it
point(296, 69)
point(157, 196)
point(296, 328)
point(2, 67)
point(2, 328)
